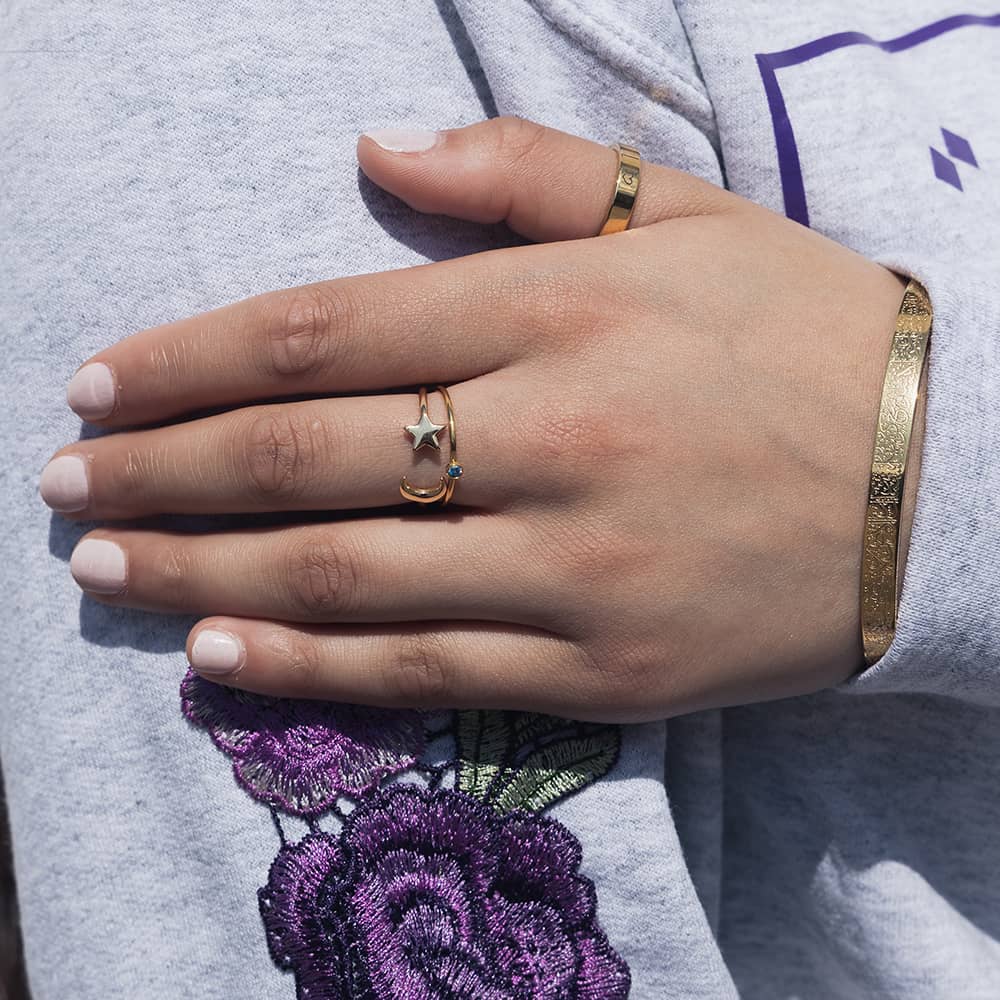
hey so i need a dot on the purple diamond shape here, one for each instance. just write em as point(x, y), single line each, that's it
point(945, 169)
point(959, 148)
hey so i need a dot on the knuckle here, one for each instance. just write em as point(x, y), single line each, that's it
point(170, 569)
point(301, 330)
point(518, 139)
point(167, 365)
point(614, 667)
point(419, 672)
point(303, 662)
point(280, 454)
point(592, 320)
point(323, 579)
point(584, 553)
point(516, 144)
point(563, 434)
point(582, 556)
point(130, 478)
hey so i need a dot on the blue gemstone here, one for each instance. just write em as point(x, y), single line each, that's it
point(455, 471)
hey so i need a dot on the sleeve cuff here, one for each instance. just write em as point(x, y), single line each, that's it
point(948, 628)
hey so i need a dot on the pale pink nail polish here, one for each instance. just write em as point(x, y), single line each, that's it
point(403, 140)
point(91, 391)
point(98, 565)
point(216, 652)
point(63, 484)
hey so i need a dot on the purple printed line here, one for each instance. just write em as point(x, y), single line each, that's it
point(789, 166)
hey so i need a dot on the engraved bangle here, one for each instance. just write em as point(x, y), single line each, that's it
point(879, 558)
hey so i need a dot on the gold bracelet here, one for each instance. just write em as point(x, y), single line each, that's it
point(879, 556)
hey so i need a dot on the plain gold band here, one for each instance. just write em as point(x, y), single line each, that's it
point(445, 488)
point(626, 190)
point(879, 569)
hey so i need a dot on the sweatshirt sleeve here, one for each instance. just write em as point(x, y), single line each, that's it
point(948, 629)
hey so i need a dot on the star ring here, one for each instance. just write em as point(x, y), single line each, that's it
point(424, 433)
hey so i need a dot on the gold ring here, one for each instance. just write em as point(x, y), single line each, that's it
point(424, 433)
point(626, 190)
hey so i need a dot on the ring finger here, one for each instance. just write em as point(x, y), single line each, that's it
point(345, 572)
point(345, 453)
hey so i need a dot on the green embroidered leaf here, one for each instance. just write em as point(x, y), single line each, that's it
point(484, 741)
point(525, 760)
point(530, 727)
point(552, 772)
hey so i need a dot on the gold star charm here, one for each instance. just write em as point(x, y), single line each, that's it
point(425, 431)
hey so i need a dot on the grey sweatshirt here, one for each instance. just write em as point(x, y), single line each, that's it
point(163, 159)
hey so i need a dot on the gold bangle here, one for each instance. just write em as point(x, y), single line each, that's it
point(879, 557)
point(626, 190)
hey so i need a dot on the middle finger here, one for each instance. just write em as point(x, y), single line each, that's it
point(329, 454)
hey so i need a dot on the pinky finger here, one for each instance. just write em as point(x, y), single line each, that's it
point(428, 665)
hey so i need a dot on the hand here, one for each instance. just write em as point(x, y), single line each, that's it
point(666, 434)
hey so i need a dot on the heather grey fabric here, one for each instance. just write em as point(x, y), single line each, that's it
point(162, 160)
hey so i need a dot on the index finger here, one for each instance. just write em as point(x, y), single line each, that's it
point(447, 321)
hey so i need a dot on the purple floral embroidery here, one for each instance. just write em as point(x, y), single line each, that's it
point(302, 755)
point(430, 894)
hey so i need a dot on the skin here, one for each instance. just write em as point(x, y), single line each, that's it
point(667, 439)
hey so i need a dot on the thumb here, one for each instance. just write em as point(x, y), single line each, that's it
point(545, 184)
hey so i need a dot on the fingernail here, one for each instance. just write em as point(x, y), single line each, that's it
point(216, 652)
point(403, 140)
point(91, 392)
point(98, 565)
point(63, 484)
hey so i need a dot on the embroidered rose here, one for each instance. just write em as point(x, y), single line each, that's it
point(425, 895)
point(301, 755)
